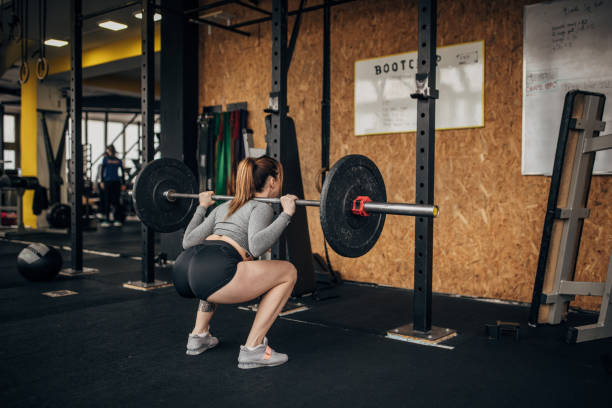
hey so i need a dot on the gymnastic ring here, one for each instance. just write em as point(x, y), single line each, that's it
point(319, 180)
point(24, 73)
point(42, 68)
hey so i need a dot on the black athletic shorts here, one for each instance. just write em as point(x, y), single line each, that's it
point(203, 269)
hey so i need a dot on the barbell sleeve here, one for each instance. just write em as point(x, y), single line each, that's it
point(417, 210)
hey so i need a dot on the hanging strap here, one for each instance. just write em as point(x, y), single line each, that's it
point(42, 65)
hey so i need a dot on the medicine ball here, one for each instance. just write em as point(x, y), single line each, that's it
point(38, 262)
point(59, 216)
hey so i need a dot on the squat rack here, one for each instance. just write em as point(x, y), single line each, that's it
point(76, 109)
point(281, 58)
point(426, 94)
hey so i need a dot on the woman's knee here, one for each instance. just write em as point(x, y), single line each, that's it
point(291, 272)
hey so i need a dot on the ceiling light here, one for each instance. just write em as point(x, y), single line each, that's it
point(156, 16)
point(112, 25)
point(55, 43)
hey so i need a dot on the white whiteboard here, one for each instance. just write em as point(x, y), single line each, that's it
point(383, 87)
point(566, 45)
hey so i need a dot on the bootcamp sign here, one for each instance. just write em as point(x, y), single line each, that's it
point(397, 66)
point(383, 87)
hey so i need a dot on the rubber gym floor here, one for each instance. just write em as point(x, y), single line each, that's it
point(110, 346)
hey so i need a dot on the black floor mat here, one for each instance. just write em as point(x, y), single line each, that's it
point(111, 346)
point(126, 240)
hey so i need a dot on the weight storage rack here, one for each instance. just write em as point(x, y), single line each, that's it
point(554, 285)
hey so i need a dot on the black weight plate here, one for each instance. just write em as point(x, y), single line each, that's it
point(153, 209)
point(348, 234)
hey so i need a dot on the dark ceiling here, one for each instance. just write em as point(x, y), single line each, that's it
point(58, 27)
point(58, 23)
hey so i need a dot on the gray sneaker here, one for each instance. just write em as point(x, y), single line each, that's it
point(198, 344)
point(261, 356)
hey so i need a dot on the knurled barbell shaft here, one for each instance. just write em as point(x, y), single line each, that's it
point(416, 210)
point(305, 203)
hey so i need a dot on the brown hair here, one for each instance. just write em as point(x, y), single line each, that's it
point(251, 177)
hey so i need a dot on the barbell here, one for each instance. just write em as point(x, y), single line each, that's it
point(352, 205)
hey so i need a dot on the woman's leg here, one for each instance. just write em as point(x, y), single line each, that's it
point(275, 279)
point(205, 313)
point(197, 341)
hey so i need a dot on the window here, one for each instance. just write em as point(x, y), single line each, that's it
point(131, 145)
point(9, 159)
point(11, 147)
point(114, 130)
point(157, 131)
point(95, 139)
point(9, 129)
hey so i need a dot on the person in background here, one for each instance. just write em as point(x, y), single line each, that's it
point(111, 185)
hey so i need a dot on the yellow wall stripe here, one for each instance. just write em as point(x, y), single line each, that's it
point(28, 139)
point(117, 50)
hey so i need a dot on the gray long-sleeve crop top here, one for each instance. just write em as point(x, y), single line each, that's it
point(251, 226)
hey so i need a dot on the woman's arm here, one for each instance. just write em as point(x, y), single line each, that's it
point(199, 227)
point(262, 231)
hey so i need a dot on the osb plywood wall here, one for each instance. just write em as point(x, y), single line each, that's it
point(486, 240)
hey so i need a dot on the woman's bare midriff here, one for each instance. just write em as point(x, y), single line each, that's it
point(241, 250)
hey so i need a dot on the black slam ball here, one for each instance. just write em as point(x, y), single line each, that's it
point(38, 262)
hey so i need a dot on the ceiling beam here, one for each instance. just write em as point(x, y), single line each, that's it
point(117, 83)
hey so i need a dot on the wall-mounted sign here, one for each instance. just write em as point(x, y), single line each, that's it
point(383, 87)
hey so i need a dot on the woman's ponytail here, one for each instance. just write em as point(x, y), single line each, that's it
point(251, 177)
point(245, 188)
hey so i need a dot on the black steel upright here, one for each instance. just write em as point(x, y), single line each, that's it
point(179, 97)
point(76, 164)
point(147, 107)
point(325, 100)
point(425, 148)
point(278, 98)
point(294, 244)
